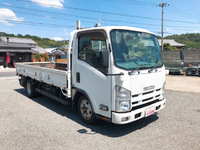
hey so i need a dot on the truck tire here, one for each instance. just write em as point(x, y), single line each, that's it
point(30, 89)
point(85, 110)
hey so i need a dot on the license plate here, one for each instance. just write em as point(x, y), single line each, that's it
point(149, 111)
point(189, 72)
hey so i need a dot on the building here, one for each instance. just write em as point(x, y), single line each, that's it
point(56, 53)
point(172, 42)
point(39, 49)
point(13, 49)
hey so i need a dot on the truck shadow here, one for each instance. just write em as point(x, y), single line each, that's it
point(102, 127)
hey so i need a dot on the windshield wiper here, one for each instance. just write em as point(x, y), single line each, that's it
point(137, 69)
point(154, 68)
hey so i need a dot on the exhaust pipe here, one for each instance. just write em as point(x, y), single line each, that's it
point(78, 24)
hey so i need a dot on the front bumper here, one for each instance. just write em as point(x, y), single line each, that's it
point(124, 118)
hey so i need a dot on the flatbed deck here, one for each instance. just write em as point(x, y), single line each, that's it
point(48, 72)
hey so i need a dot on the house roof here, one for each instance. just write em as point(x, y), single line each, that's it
point(17, 40)
point(172, 42)
point(15, 45)
point(39, 49)
point(18, 50)
point(48, 50)
point(20, 45)
point(57, 52)
point(54, 51)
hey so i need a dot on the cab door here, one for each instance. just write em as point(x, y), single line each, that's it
point(90, 77)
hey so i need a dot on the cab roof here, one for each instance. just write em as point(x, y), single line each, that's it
point(109, 28)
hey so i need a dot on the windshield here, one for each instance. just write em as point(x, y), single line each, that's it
point(135, 50)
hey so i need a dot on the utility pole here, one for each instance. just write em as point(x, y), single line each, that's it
point(64, 40)
point(162, 5)
point(99, 22)
point(104, 19)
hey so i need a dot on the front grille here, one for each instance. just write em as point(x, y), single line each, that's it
point(144, 105)
point(147, 92)
point(143, 98)
point(157, 95)
point(147, 99)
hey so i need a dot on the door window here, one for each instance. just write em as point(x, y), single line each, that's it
point(89, 48)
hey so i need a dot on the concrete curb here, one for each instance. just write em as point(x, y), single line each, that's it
point(7, 70)
point(9, 78)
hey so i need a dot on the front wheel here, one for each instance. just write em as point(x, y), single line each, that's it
point(85, 110)
point(30, 89)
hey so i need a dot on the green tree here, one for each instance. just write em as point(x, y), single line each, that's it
point(191, 40)
point(174, 48)
point(37, 55)
point(20, 35)
point(167, 46)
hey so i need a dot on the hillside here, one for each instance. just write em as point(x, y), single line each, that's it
point(191, 40)
point(42, 42)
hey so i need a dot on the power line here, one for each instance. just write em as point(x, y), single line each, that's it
point(146, 3)
point(29, 9)
point(52, 17)
point(72, 15)
point(95, 11)
point(38, 23)
point(181, 14)
point(143, 3)
point(111, 13)
point(107, 20)
point(31, 23)
point(91, 18)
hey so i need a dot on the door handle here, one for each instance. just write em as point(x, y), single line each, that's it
point(78, 77)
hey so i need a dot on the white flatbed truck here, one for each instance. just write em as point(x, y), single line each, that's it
point(112, 73)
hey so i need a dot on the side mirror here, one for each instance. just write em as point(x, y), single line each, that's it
point(103, 58)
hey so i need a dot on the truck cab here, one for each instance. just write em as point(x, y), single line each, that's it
point(116, 74)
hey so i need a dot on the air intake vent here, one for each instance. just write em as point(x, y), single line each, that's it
point(158, 90)
point(147, 92)
point(135, 95)
point(147, 99)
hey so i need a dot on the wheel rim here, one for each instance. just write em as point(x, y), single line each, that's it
point(28, 87)
point(86, 109)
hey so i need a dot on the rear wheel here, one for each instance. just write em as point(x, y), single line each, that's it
point(85, 110)
point(30, 89)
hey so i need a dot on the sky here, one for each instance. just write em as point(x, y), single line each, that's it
point(55, 19)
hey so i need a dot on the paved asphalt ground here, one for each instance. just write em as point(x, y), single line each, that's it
point(183, 83)
point(43, 124)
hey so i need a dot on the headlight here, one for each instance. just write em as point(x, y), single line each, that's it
point(122, 99)
point(124, 105)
